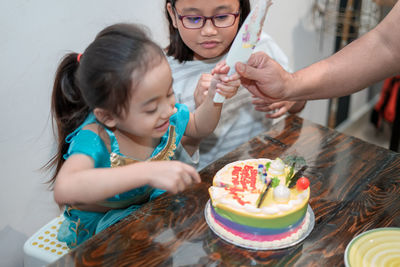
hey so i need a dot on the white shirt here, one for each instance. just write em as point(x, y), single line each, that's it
point(239, 121)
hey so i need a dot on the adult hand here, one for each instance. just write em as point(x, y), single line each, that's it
point(264, 77)
point(278, 109)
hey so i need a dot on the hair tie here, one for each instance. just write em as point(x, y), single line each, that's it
point(78, 58)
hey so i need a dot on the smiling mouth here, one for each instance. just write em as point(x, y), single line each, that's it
point(163, 126)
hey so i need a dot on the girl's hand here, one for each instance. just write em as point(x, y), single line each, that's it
point(201, 91)
point(226, 86)
point(173, 176)
point(278, 109)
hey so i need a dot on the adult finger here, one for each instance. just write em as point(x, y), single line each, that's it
point(247, 71)
point(259, 101)
point(263, 108)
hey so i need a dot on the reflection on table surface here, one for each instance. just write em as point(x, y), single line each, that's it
point(355, 186)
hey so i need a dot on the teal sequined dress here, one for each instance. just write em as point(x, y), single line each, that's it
point(80, 225)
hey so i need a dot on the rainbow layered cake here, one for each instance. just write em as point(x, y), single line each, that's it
point(259, 203)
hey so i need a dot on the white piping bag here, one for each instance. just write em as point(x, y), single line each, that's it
point(246, 39)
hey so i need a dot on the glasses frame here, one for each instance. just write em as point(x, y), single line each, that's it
point(205, 18)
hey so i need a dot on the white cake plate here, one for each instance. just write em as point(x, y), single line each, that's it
point(267, 245)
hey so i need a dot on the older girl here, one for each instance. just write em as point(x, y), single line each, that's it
point(201, 33)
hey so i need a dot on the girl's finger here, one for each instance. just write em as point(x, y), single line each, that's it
point(227, 91)
point(235, 83)
point(226, 88)
point(278, 105)
point(276, 114)
point(195, 176)
point(235, 76)
point(187, 179)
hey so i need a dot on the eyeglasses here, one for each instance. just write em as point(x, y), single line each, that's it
point(198, 22)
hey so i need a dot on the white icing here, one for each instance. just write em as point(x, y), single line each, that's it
point(303, 194)
point(296, 202)
point(281, 194)
point(277, 167)
point(285, 207)
point(251, 208)
point(220, 195)
point(270, 210)
point(230, 202)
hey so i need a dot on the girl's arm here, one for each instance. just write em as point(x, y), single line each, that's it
point(205, 118)
point(201, 92)
point(78, 182)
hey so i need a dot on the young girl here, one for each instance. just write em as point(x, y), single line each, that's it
point(114, 105)
point(201, 33)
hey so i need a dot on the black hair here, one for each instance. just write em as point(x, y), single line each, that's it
point(177, 48)
point(103, 78)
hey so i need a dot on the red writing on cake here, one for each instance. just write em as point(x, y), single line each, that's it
point(243, 179)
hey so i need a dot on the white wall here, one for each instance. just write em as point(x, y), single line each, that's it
point(34, 36)
point(290, 24)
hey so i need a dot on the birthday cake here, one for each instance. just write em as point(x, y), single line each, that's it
point(260, 203)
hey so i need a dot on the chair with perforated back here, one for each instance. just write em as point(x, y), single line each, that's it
point(43, 247)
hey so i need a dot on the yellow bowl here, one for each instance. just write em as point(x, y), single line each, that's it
point(377, 247)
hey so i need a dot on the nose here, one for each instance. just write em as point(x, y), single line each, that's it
point(208, 28)
point(168, 109)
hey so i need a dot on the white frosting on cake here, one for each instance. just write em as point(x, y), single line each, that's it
point(221, 195)
point(277, 167)
point(281, 194)
point(223, 180)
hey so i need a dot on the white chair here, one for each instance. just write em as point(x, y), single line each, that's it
point(43, 247)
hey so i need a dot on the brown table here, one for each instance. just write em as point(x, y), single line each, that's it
point(355, 186)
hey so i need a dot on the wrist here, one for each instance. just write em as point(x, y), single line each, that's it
point(288, 86)
point(294, 87)
point(297, 107)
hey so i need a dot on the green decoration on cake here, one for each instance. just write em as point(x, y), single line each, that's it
point(263, 194)
point(275, 182)
point(267, 165)
point(297, 176)
point(290, 174)
point(295, 162)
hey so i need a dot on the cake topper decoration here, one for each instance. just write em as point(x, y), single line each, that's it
point(263, 194)
point(297, 176)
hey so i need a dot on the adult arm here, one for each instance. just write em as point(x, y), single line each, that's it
point(371, 58)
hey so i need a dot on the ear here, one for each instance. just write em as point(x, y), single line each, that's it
point(172, 15)
point(105, 117)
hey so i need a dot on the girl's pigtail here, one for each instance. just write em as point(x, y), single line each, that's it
point(68, 107)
